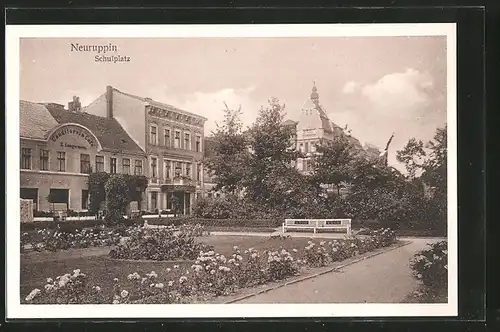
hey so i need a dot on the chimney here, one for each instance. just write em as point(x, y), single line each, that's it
point(109, 100)
point(75, 105)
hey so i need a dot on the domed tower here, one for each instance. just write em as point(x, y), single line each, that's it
point(315, 95)
point(313, 118)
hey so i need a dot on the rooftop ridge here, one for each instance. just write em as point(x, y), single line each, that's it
point(160, 104)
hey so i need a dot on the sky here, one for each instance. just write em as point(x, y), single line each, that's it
point(375, 85)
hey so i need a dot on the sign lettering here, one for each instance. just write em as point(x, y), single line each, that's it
point(74, 131)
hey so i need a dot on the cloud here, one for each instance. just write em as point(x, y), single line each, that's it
point(407, 103)
point(400, 94)
point(211, 104)
point(350, 87)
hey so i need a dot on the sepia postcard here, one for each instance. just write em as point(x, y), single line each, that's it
point(212, 171)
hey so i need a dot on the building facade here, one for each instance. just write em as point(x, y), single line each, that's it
point(60, 147)
point(314, 126)
point(172, 139)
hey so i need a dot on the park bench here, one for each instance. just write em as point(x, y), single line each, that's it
point(318, 224)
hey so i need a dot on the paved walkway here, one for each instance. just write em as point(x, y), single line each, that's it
point(385, 278)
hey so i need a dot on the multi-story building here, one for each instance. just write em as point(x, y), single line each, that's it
point(314, 126)
point(60, 147)
point(172, 140)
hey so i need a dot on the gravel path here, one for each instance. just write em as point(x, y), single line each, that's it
point(385, 278)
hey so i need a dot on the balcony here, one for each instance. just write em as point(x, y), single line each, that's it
point(179, 183)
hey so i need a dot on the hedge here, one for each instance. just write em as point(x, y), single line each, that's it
point(77, 224)
point(412, 229)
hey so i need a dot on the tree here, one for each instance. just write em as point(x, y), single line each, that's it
point(269, 168)
point(229, 156)
point(334, 163)
point(428, 163)
point(96, 184)
point(117, 198)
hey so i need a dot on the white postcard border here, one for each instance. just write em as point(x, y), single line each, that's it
point(16, 310)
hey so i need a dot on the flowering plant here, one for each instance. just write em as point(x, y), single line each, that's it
point(211, 274)
point(62, 239)
point(69, 288)
point(430, 266)
point(157, 244)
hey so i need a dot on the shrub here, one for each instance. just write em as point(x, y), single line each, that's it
point(430, 266)
point(71, 237)
point(316, 256)
point(157, 244)
point(67, 289)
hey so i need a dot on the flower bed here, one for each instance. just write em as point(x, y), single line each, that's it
point(161, 244)
point(62, 239)
point(430, 266)
point(211, 274)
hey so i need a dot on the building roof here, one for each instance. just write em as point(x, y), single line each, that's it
point(35, 121)
point(160, 104)
point(108, 131)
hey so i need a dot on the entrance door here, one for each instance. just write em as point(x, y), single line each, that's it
point(187, 199)
point(180, 198)
point(154, 201)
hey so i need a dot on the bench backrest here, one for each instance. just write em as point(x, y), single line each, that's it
point(318, 222)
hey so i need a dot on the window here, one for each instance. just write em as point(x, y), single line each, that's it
point(167, 169)
point(85, 163)
point(177, 139)
point(152, 136)
point(126, 165)
point(99, 163)
point(166, 134)
point(153, 168)
point(313, 146)
point(85, 199)
point(178, 169)
point(198, 172)
point(112, 165)
point(30, 193)
point(44, 160)
point(138, 167)
point(61, 161)
point(198, 143)
point(187, 141)
point(301, 147)
point(25, 158)
point(188, 170)
point(306, 149)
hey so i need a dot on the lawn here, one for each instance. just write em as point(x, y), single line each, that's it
point(37, 267)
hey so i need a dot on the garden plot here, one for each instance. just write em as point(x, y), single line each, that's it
point(223, 266)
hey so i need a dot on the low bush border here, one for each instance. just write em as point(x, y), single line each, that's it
point(292, 280)
point(324, 270)
point(150, 260)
